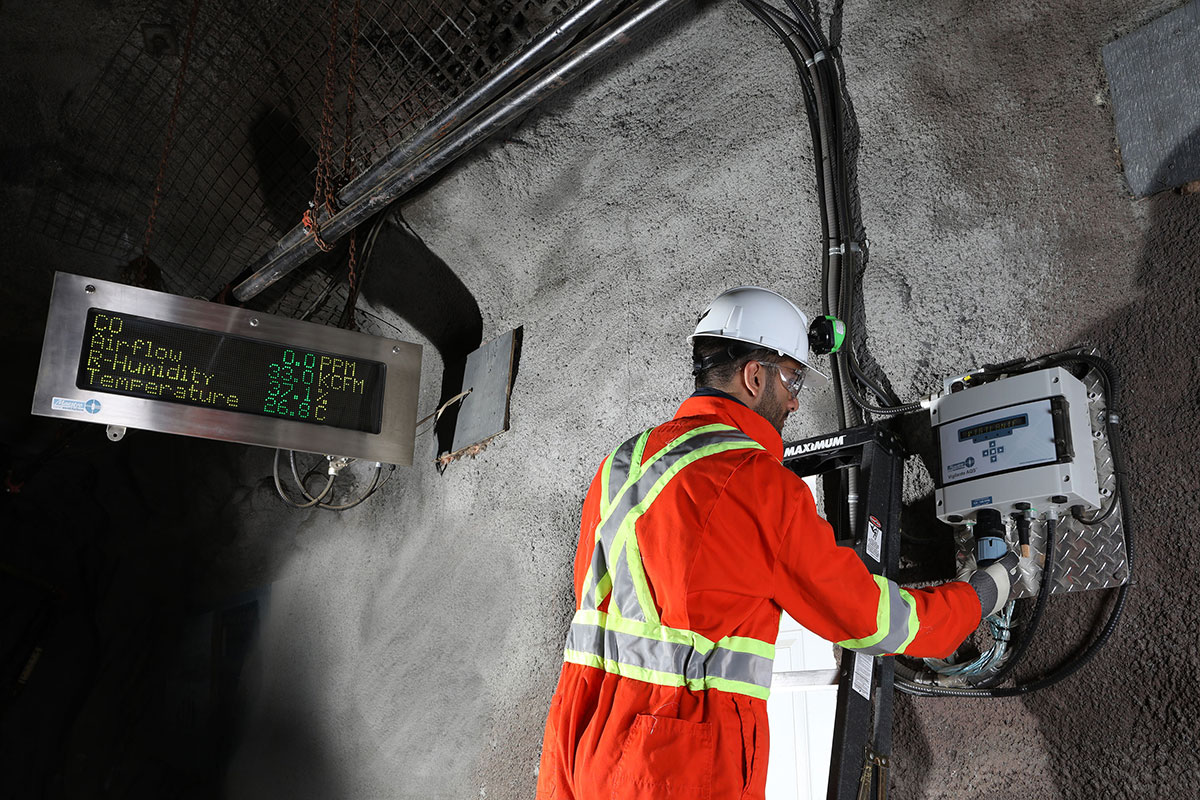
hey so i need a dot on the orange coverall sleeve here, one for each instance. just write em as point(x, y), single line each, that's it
point(828, 589)
point(589, 518)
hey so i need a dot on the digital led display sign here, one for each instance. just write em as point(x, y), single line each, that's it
point(138, 357)
point(131, 358)
point(993, 430)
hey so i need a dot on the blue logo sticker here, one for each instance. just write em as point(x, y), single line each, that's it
point(67, 404)
point(982, 501)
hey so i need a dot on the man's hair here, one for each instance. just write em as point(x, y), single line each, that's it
point(716, 361)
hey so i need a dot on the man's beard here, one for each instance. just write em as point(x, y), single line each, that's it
point(773, 410)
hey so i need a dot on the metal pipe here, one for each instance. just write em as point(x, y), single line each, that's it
point(297, 247)
point(479, 96)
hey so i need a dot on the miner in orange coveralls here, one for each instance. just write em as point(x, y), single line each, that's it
point(694, 537)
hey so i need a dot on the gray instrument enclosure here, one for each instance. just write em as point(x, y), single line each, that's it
point(1058, 434)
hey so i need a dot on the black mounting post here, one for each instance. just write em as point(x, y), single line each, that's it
point(862, 728)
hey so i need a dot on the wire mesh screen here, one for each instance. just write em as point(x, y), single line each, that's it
point(242, 164)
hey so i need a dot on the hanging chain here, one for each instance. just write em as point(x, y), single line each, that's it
point(348, 169)
point(323, 190)
point(168, 140)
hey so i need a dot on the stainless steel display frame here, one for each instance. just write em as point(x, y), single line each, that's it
point(56, 394)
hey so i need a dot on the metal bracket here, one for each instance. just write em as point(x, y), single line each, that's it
point(874, 783)
point(862, 727)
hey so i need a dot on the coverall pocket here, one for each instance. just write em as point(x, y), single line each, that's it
point(755, 745)
point(552, 759)
point(665, 758)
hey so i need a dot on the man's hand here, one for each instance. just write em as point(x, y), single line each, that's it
point(994, 582)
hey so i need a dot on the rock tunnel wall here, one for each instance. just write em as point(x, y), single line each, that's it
point(409, 647)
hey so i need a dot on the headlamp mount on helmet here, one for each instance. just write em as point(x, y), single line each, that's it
point(826, 335)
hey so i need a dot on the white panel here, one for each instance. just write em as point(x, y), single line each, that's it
point(800, 712)
point(822, 704)
point(782, 767)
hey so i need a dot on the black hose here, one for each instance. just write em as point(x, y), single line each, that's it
point(1029, 629)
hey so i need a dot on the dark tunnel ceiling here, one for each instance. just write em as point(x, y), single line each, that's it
point(242, 164)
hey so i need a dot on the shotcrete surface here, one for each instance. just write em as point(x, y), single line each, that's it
point(411, 645)
point(423, 632)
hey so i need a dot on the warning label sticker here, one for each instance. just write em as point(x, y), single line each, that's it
point(864, 668)
point(874, 538)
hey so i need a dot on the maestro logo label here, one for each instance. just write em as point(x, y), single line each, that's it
point(92, 406)
point(963, 465)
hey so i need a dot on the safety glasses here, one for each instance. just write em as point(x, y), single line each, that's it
point(795, 383)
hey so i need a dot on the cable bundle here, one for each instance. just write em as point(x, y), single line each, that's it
point(842, 256)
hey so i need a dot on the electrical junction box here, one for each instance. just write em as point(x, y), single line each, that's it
point(1021, 439)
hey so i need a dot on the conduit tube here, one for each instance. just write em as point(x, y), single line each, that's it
point(535, 54)
point(453, 134)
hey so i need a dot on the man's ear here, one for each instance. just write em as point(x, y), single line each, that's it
point(751, 375)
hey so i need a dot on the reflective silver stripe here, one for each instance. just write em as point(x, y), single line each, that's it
point(618, 468)
point(745, 667)
point(586, 638)
point(624, 588)
point(637, 651)
point(669, 657)
point(898, 632)
point(598, 570)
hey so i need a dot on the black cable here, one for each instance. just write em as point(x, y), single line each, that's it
point(1029, 630)
point(1077, 514)
point(279, 488)
point(301, 482)
point(363, 498)
point(821, 78)
point(352, 292)
point(840, 179)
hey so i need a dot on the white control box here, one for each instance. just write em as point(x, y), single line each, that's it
point(1022, 439)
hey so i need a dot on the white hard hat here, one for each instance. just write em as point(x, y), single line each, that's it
point(762, 318)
